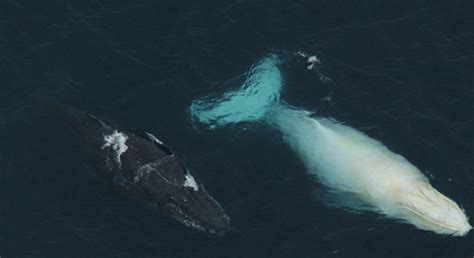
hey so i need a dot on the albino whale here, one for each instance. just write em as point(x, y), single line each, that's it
point(345, 160)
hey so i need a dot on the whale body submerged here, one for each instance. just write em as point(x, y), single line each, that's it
point(345, 160)
point(139, 164)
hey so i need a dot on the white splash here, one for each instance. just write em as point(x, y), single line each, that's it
point(302, 54)
point(116, 141)
point(190, 182)
point(313, 60)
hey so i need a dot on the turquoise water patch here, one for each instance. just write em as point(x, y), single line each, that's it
point(247, 103)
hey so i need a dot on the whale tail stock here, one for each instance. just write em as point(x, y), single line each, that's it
point(249, 103)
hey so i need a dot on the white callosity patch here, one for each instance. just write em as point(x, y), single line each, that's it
point(312, 60)
point(190, 182)
point(116, 141)
point(154, 138)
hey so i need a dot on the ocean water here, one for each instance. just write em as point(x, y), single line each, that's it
point(400, 71)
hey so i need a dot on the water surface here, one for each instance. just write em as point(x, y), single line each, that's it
point(402, 72)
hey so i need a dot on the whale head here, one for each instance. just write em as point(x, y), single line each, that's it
point(419, 204)
point(193, 206)
point(171, 187)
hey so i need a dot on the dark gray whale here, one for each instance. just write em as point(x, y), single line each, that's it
point(141, 165)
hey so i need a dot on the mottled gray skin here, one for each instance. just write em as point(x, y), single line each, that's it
point(150, 172)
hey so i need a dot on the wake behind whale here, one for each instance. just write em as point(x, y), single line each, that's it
point(345, 160)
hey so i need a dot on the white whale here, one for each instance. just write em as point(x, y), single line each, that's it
point(345, 160)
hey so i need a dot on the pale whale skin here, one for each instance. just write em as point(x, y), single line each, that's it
point(140, 165)
point(345, 159)
point(359, 172)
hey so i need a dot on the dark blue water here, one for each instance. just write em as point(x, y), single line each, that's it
point(402, 71)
